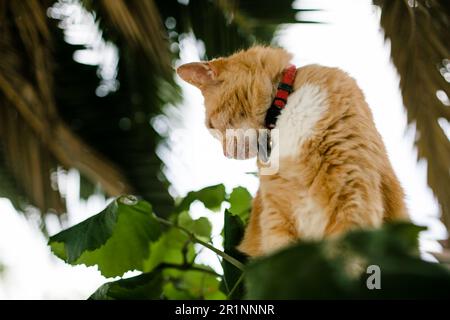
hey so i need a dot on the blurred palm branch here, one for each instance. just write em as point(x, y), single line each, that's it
point(51, 118)
point(419, 34)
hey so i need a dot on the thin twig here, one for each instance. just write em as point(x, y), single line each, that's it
point(236, 285)
point(193, 238)
point(224, 276)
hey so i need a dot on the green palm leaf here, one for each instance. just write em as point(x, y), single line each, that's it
point(51, 116)
point(419, 33)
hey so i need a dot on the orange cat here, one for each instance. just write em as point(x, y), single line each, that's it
point(333, 171)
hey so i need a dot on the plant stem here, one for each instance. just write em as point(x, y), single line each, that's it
point(236, 285)
point(192, 236)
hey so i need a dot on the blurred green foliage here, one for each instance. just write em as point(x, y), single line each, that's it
point(2, 269)
point(110, 138)
point(338, 269)
point(128, 236)
point(117, 239)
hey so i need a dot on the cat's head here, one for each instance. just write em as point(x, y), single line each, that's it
point(237, 91)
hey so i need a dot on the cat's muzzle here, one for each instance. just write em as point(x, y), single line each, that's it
point(246, 144)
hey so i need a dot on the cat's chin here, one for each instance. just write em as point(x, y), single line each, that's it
point(262, 154)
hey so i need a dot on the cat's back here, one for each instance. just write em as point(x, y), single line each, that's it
point(329, 126)
point(332, 82)
point(324, 100)
point(346, 118)
point(324, 76)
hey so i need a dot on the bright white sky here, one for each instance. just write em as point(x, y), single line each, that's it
point(351, 40)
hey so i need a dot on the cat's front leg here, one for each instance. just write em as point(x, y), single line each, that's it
point(277, 231)
point(251, 243)
point(358, 201)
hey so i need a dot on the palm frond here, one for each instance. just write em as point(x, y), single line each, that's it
point(34, 138)
point(227, 26)
point(139, 25)
point(9, 188)
point(52, 116)
point(146, 86)
point(419, 33)
point(144, 91)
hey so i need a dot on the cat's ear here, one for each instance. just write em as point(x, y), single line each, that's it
point(199, 74)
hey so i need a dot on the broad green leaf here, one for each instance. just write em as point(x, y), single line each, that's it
point(172, 291)
point(241, 203)
point(169, 249)
point(201, 227)
point(395, 238)
point(212, 197)
point(232, 233)
point(116, 240)
point(406, 277)
point(299, 272)
point(147, 286)
point(395, 249)
point(337, 269)
point(194, 283)
point(85, 236)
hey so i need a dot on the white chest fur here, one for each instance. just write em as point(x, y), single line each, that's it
point(297, 122)
point(304, 108)
point(310, 219)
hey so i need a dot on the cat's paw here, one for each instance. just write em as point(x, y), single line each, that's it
point(250, 249)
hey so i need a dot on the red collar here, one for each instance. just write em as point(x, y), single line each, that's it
point(285, 87)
